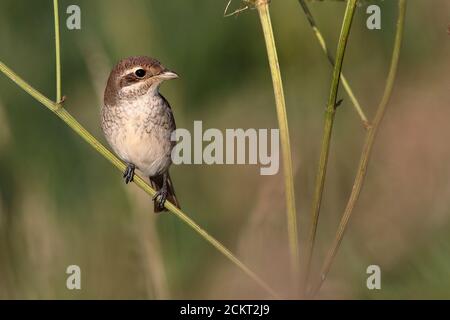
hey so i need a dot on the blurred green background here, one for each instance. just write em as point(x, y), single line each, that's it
point(61, 203)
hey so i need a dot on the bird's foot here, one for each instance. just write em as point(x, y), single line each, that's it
point(129, 173)
point(160, 197)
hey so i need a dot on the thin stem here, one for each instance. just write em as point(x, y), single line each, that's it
point(367, 149)
point(83, 133)
point(264, 15)
point(328, 127)
point(324, 47)
point(57, 52)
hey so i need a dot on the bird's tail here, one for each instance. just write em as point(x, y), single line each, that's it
point(157, 183)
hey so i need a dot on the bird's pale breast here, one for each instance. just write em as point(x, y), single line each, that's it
point(139, 132)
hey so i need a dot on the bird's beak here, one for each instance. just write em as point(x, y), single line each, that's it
point(167, 75)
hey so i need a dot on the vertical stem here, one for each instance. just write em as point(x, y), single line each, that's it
point(330, 58)
point(368, 146)
point(264, 15)
point(328, 127)
point(57, 52)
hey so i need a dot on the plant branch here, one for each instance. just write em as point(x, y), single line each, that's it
point(324, 47)
point(367, 149)
point(85, 135)
point(57, 52)
point(264, 15)
point(329, 120)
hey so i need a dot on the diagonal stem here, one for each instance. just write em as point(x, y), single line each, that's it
point(367, 149)
point(264, 15)
point(329, 120)
point(83, 133)
point(330, 58)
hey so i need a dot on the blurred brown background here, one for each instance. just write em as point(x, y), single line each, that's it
point(61, 203)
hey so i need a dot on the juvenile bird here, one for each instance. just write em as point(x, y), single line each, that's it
point(138, 122)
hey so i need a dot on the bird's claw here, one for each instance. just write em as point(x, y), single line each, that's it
point(129, 173)
point(160, 197)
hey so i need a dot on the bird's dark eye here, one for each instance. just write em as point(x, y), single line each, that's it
point(140, 73)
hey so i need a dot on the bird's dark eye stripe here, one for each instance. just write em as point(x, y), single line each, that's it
point(140, 73)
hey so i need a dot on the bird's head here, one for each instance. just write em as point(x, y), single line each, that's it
point(136, 76)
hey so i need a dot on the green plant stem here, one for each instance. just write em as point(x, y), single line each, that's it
point(328, 127)
point(57, 52)
point(85, 135)
point(324, 47)
point(367, 149)
point(264, 15)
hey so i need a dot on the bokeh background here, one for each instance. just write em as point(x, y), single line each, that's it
point(61, 203)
